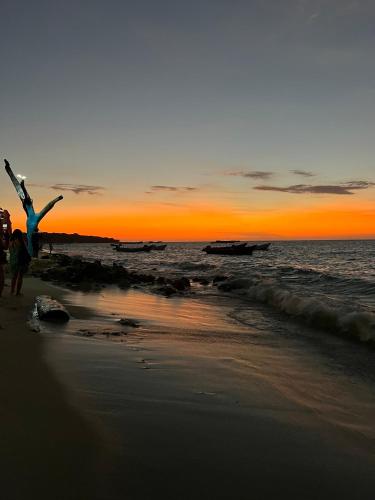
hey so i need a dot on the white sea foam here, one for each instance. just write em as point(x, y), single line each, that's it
point(355, 324)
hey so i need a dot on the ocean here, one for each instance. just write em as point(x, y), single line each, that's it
point(327, 285)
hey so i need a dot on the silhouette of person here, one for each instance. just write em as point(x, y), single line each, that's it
point(19, 260)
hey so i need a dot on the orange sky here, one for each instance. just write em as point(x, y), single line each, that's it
point(207, 222)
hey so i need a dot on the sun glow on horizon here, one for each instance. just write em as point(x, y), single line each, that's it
point(203, 222)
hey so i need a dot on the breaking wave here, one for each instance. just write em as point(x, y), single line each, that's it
point(356, 324)
point(195, 266)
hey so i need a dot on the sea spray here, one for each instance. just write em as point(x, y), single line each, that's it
point(356, 324)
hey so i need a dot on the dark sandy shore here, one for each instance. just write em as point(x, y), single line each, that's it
point(166, 416)
point(47, 450)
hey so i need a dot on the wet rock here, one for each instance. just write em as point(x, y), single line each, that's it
point(201, 281)
point(234, 284)
point(129, 322)
point(218, 279)
point(166, 290)
point(141, 278)
point(180, 284)
point(124, 284)
point(108, 333)
point(85, 333)
point(62, 259)
point(79, 274)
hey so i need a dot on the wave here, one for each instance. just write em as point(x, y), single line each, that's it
point(359, 325)
point(364, 284)
point(195, 266)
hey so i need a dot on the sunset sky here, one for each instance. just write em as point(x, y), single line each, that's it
point(191, 120)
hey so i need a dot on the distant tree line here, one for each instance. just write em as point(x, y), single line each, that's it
point(73, 238)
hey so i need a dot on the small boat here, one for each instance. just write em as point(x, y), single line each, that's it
point(262, 246)
point(158, 247)
point(144, 248)
point(241, 249)
point(131, 242)
point(226, 241)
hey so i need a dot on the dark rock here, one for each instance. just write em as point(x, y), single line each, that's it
point(201, 281)
point(129, 322)
point(61, 259)
point(234, 284)
point(124, 284)
point(160, 280)
point(86, 333)
point(180, 284)
point(91, 333)
point(219, 278)
point(166, 290)
point(141, 278)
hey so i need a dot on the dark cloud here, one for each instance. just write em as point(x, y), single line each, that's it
point(78, 188)
point(172, 188)
point(358, 184)
point(305, 173)
point(343, 188)
point(251, 174)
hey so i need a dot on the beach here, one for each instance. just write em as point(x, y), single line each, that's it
point(187, 204)
point(47, 448)
point(191, 404)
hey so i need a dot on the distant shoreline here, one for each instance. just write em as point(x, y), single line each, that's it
point(63, 238)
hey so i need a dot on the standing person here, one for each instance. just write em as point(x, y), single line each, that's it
point(3, 260)
point(5, 229)
point(19, 260)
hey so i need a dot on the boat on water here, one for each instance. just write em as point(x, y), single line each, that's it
point(226, 241)
point(130, 242)
point(158, 247)
point(262, 246)
point(143, 248)
point(131, 246)
point(240, 249)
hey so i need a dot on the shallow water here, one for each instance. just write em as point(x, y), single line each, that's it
point(329, 285)
point(195, 388)
point(321, 373)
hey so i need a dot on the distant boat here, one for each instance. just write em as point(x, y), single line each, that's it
point(241, 249)
point(122, 248)
point(130, 242)
point(262, 246)
point(158, 247)
point(226, 241)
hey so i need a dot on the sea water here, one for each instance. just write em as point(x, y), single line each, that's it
point(274, 341)
point(328, 285)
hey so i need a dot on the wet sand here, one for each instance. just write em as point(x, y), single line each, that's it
point(168, 411)
point(199, 406)
point(47, 450)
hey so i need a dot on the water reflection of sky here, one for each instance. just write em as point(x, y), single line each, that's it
point(155, 311)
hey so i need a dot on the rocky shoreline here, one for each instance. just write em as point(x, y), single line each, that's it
point(78, 274)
